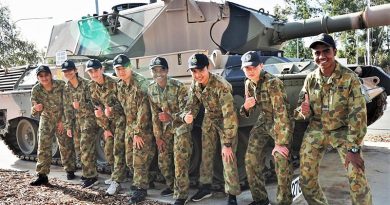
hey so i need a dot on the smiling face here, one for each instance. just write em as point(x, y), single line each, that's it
point(96, 75)
point(44, 78)
point(160, 75)
point(200, 75)
point(123, 73)
point(253, 72)
point(70, 74)
point(324, 56)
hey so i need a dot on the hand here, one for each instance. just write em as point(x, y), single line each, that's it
point(249, 102)
point(69, 133)
point(60, 127)
point(189, 118)
point(98, 112)
point(108, 111)
point(227, 154)
point(305, 106)
point(283, 150)
point(160, 145)
point(38, 107)
point(138, 142)
point(107, 134)
point(164, 117)
point(76, 105)
point(356, 161)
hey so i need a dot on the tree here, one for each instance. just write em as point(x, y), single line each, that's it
point(13, 50)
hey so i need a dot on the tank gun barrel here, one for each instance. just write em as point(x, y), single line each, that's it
point(370, 17)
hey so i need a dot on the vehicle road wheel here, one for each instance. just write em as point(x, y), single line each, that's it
point(26, 135)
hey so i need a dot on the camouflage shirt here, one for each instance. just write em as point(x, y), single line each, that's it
point(271, 99)
point(171, 100)
point(106, 94)
point(217, 100)
point(133, 98)
point(336, 103)
point(51, 100)
point(81, 94)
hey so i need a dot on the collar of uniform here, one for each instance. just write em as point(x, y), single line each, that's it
point(335, 75)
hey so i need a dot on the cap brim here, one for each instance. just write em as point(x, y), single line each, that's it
point(312, 45)
point(249, 64)
point(89, 68)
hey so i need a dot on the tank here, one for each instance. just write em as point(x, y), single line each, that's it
point(175, 29)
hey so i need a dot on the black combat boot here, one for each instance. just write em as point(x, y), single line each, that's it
point(180, 202)
point(232, 200)
point(40, 180)
point(138, 196)
point(203, 192)
point(70, 175)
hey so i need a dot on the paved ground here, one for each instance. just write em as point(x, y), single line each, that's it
point(332, 177)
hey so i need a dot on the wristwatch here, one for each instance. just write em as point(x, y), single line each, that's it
point(227, 144)
point(354, 150)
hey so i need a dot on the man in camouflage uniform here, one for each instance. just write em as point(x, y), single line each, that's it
point(104, 97)
point(220, 119)
point(167, 98)
point(266, 92)
point(332, 100)
point(47, 102)
point(80, 119)
point(139, 141)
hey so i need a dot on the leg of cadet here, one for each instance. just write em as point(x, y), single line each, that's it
point(88, 147)
point(165, 160)
point(68, 155)
point(230, 173)
point(359, 188)
point(209, 143)
point(254, 164)
point(182, 157)
point(141, 162)
point(311, 154)
point(45, 135)
point(109, 148)
point(118, 174)
point(283, 169)
point(129, 147)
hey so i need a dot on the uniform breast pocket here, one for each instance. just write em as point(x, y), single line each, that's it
point(263, 96)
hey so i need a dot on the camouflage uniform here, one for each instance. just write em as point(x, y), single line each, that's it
point(82, 123)
point(51, 114)
point(337, 118)
point(174, 162)
point(272, 124)
point(220, 119)
point(103, 95)
point(133, 98)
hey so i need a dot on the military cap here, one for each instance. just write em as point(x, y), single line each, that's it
point(158, 61)
point(93, 64)
point(198, 60)
point(42, 68)
point(121, 60)
point(250, 58)
point(323, 38)
point(68, 65)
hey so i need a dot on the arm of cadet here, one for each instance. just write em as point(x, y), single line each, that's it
point(68, 110)
point(282, 125)
point(143, 114)
point(157, 129)
point(230, 121)
point(357, 115)
point(193, 105)
point(298, 115)
point(248, 93)
point(182, 100)
point(34, 100)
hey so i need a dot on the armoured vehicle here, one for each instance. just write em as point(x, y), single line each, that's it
point(175, 29)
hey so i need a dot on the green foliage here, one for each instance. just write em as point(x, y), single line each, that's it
point(13, 50)
point(290, 49)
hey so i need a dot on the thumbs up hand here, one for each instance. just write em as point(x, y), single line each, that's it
point(305, 106)
point(189, 118)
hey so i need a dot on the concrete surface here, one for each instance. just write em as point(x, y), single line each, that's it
point(332, 175)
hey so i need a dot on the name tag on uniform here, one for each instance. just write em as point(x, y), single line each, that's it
point(325, 108)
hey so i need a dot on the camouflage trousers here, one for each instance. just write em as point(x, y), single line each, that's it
point(118, 127)
point(312, 151)
point(47, 130)
point(84, 137)
point(165, 159)
point(255, 163)
point(182, 150)
point(142, 158)
point(210, 138)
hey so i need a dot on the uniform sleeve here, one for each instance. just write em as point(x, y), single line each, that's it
point(182, 100)
point(157, 129)
point(113, 101)
point(230, 121)
point(68, 110)
point(34, 100)
point(193, 104)
point(103, 121)
point(301, 98)
point(357, 115)
point(248, 92)
point(281, 126)
point(143, 114)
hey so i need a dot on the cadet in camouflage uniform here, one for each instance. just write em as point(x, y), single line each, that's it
point(332, 100)
point(80, 119)
point(139, 141)
point(266, 92)
point(46, 99)
point(167, 98)
point(104, 96)
point(220, 119)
